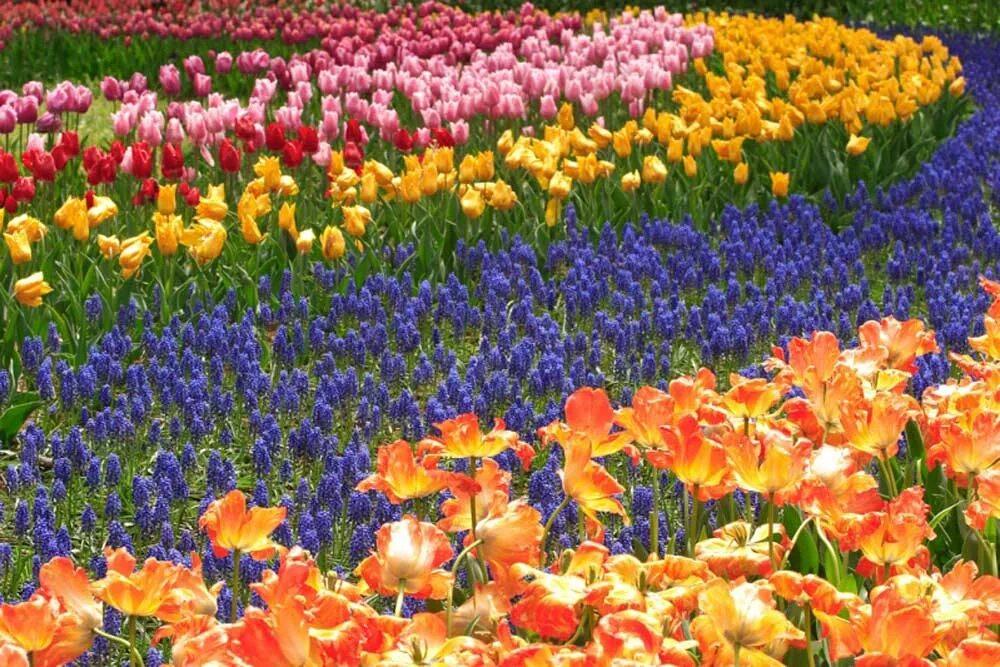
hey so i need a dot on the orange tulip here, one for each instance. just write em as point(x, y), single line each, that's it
point(742, 618)
point(771, 463)
point(989, 342)
point(697, 462)
point(897, 630)
point(511, 534)
point(739, 550)
point(406, 557)
point(160, 588)
point(461, 437)
point(71, 587)
point(779, 183)
point(967, 446)
point(987, 503)
point(425, 640)
point(899, 343)
point(493, 491)
point(651, 409)
point(874, 426)
point(588, 415)
point(548, 605)
point(32, 624)
point(750, 398)
point(231, 527)
point(898, 532)
point(400, 476)
point(837, 490)
point(589, 483)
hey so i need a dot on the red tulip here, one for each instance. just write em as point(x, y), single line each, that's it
point(291, 154)
point(23, 190)
point(8, 168)
point(274, 137)
point(229, 157)
point(245, 129)
point(403, 140)
point(443, 138)
point(309, 139)
point(354, 156)
point(70, 141)
point(142, 160)
point(173, 161)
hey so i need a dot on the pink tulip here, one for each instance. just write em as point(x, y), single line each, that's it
point(459, 131)
point(547, 108)
point(36, 142)
point(27, 109)
point(322, 156)
point(58, 99)
point(175, 131)
point(170, 80)
point(422, 137)
point(193, 64)
point(8, 119)
point(111, 88)
point(48, 123)
point(202, 85)
point(121, 122)
point(264, 89)
point(84, 98)
point(138, 83)
point(330, 127)
point(34, 89)
point(223, 63)
point(151, 128)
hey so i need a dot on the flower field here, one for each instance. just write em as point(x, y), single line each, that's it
point(418, 335)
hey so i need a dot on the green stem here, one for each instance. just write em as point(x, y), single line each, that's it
point(770, 529)
point(131, 634)
point(695, 521)
point(810, 660)
point(400, 596)
point(451, 591)
point(548, 526)
point(890, 479)
point(235, 586)
point(118, 640)
point(474, 515)
point(736, 655)
point(654, 517)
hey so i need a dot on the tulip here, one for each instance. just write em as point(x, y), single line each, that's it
point(473, 203)
point(286, 220)
point(407, 556)
point(204, 240)
point(779, 183)
point(332, 243)
point(213, 206)
point(741, 173)
point(653, 170)
point(18, 246)
point(109, 245)
point(133, 251)
point(857, 145)
point(29, 291)
point(305, 241)
point(168, 229)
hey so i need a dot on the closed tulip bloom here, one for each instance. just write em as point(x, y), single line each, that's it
point(957, 87)
point(99, 209)
point(675, 150)
point(473, 203)
point(621, 142)
point(166, 199)
point(560, 185)
point(631, 181)
point(108, 245)
point(690, 166)
point(133, 251)
point(484, 166)
point(741, 173)
point(408, 555)
point(332, 243)
point(779, 183)
point(247, 210)
point(857, 145)
point(286, 220)
point(72, 215)
point(565, 117)
point(467, 169)
point(231, 527)
point(553, 209)
point(369, 188)
point(29, 291)
point(653, 170)
point(18, 246)
point(409, 187)
point(168, 230)
point(356, 220)
point(305, 241)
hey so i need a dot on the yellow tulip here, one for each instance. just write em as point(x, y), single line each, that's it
point(409, 187)
point(472, 202)
point(601, 136)
point(428, 179)
point(957, 87)
point(506, 142)
point(779, 183)
point(286, 220)
point(133, 251)
point(565, 116)
point(332, 243)
point(356, 219)
point(857, 145)
point(467, 169)
point(741, 173)
point(269, 168)
point(631, 181)
point(166, 199)
point(690, 166)
point(304, 243)
point(29, 291)
point(204, 240)
point(108, 245)
point(369, 188)
point(32, 227)
point(501, 196)
point(560, 185)
point(653, 170)
point(675, 150)
point(444, 159)
point(19, 247)
point(168, 229)
point(213, 206)
point(72, 215)
point(103, 209)
point(336, 164)
point(552, 211)
point(622, 143)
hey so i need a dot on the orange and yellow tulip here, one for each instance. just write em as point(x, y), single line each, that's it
point(230, 527)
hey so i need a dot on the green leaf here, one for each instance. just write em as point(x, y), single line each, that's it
point(13, 417)
point(805, 556)
point(915, 441)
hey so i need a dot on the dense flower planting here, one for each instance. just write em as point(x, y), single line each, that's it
point(433, 337)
